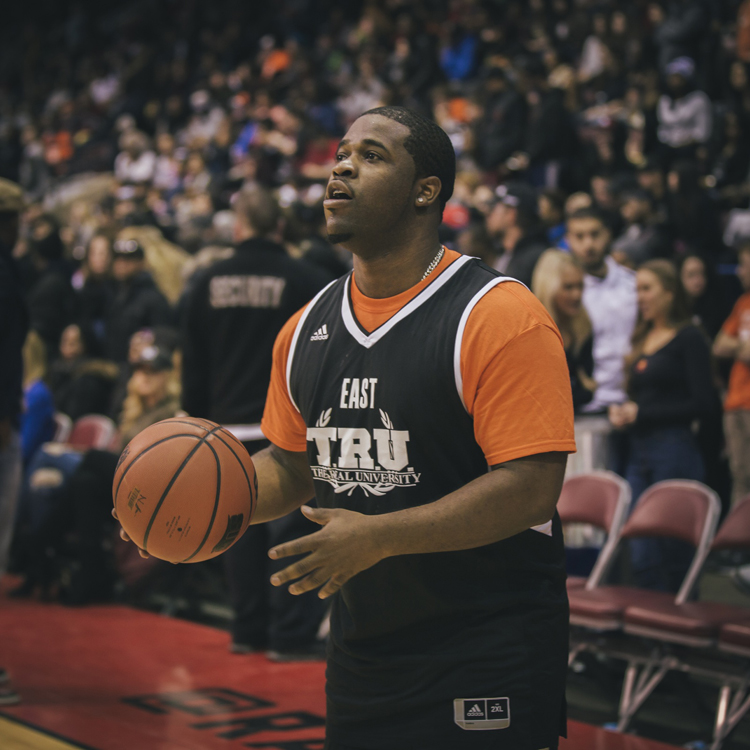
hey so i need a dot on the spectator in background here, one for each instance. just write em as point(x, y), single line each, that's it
point(610, 300)
point(94, 284)
point(136, 161)
point(552, 215)
point(231, 317)
point(137, 302)
point(684, 114)
point(706, 302)
point(80, 382)
point(51, 299)
point(558, 283)
point(514, 223)
point(733, 342)
point(669, 386)
point(643, 237)
point(499, 129)
point(693, 217)
point(678, 29)
point(37, 419)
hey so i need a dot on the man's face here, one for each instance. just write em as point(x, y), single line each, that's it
point(501, 219)
point(589, 241)
point(371, 186)
point(125, 268)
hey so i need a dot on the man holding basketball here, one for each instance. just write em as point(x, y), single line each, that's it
point(392, 393)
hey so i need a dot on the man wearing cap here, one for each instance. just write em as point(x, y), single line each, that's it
point(683, 113)
point(514, 223)
point(13, 328)
point(137, 303)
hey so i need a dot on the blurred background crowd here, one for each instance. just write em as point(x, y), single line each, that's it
point(592, 137)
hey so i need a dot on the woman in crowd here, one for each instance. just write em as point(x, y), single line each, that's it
point(81, 383)
point(94, 285)
point(670, 387)
point(558, 283)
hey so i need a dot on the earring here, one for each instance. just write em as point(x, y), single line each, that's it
point(420, 199)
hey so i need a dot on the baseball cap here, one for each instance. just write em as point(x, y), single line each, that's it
point(128, 249)
point(153, 358)
point(11, 197)
point(681, 66)
point(519, 195)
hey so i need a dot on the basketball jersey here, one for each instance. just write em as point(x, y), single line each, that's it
point(387, 430)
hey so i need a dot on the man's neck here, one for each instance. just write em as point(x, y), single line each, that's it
point(511, 237)
point(600, 272)
point(386, 275)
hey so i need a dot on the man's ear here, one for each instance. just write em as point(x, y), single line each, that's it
point(428, 192)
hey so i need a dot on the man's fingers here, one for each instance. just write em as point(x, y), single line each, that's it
point(114, 514)
point(124, 535)
point(297, 570)
point(333, 585)
point(316, 579)
point(297, 547)
point(318, 515)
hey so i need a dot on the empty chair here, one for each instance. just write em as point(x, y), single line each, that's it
point(92, 431)
point(673, 509)
point(600, 499)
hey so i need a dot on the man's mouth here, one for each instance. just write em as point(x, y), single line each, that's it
point(337, 191)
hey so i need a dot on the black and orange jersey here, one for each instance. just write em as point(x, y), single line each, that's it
point(399, 402)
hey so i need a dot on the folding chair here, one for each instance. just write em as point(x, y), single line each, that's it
point(600, 499)
point(92, 431)
point(676, 509)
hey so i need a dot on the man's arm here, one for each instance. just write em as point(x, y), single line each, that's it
point(513, 497)
point(731, 347)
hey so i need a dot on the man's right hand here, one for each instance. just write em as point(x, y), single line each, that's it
point(124, 535)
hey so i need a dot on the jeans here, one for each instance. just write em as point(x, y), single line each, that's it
point(659, 454)
point(10, 485)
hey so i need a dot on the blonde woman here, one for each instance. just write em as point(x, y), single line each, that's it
point(558, 283)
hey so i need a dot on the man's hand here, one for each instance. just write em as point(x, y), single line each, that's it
point(124, 536)
point(347, 544)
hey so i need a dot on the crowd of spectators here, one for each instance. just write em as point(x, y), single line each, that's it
point(592, 137)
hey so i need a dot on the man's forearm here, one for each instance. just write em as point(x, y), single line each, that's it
point(495, 506)
point(284, 483)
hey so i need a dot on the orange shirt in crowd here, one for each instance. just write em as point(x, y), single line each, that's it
point(515, 378)
point(737, 325)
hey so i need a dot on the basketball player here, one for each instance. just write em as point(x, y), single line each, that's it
point(392, 394)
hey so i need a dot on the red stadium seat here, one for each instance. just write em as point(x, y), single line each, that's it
point(601, 499)
point(677, 509)
point(92, 431)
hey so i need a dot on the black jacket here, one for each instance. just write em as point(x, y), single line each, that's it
point(14, 324)
point(231, 317)
point(137, 304)
point(525, 256)
point(52, 305)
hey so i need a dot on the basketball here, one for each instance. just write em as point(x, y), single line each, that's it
point(185, 489)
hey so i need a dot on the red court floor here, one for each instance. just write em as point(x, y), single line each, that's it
point(114, 678)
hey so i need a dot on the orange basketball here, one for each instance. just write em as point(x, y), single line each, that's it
point(185, 489)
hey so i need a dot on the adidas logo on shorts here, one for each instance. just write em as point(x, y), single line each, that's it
point(321, 334)
point(475, 710)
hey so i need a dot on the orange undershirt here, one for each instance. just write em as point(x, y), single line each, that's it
point(515, 377)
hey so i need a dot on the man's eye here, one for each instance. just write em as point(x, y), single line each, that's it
point(372, 155)
point(340, 157)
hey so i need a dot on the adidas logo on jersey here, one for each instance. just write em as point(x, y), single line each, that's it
point(475, 710)
point(321, 334)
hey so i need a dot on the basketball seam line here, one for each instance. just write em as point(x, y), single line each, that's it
point(146, 450)
point(253, 500)
point(216, 503)
point(187, 458)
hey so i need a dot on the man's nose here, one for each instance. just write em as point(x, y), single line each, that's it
point(344, 168)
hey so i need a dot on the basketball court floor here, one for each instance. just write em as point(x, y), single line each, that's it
point(116, 678)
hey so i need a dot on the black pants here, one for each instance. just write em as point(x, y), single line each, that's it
point(267, 616)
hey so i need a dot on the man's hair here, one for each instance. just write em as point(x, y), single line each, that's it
point(589, 213)
point(259, 209)
point(429, 146)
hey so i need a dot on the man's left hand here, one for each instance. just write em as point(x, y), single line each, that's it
point(346, 545)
